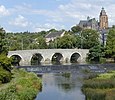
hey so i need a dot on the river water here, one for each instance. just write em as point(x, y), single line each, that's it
point(61, 86)
point(64, 82)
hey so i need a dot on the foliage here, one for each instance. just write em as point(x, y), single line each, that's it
point(52, 30)
point(76, 38)
point(89, 38)
point(100, 88)
point(110, 44)
point(24, 86)
point(3, 49)
point(5, 76)
point(102, 60)
point(26, 40)
point(92, 94)
point(5, 62)
point(52, 44)
point(96, 54)
point(43, 33)
point(76, 29)
point(66, 75)
point(67, 41)
point(41, 43)
point(15, 60)
point(108, 75)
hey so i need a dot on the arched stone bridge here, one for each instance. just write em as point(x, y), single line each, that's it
point(47, 55)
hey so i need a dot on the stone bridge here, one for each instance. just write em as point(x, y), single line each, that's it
point(47, 55)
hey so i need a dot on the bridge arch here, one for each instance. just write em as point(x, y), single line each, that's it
point(57, 58)
point(16, 59)
point(36, 59)
point(75, 57)
point(65, 55)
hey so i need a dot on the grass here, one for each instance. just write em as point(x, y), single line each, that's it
point(106, 75)
point(23, 86)
point(101, 87)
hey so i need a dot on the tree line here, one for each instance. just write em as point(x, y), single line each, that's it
point(74, 38)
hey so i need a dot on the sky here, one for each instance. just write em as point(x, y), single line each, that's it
point(38, 15)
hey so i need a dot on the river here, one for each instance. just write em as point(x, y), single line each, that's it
point(63, 82)
point(61, 87)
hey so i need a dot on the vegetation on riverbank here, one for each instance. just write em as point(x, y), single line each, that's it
point(15, 84)
point(101, 87)
point(23, 86)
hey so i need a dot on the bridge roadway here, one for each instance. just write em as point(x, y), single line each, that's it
point(46, 55)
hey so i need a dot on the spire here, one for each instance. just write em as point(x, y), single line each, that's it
point(102, 8)
point(102, 12)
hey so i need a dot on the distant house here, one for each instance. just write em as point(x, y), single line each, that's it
point(89, 24)
point(53, 35)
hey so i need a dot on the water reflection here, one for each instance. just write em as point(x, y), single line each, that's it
point(63, 86)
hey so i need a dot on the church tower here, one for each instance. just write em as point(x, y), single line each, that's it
point(103, 23)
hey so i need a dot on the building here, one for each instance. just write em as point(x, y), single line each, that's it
point(89, 24)
point(103, 26)
point(103, 20)
point(53, 35)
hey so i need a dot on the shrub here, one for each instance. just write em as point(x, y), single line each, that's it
point(5, 76)
point(102, 60)
point(5, 62)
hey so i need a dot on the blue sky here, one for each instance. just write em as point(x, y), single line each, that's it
point(38, 15)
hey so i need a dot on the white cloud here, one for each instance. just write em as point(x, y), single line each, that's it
point(77, 10)
point(64, 13)
point(47, 26)
point(20, 21)
point(3, 11)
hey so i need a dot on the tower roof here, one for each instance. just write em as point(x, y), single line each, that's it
point(102, 12)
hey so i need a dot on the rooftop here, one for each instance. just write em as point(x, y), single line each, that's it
point(54, 34)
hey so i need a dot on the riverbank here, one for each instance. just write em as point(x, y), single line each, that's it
point(23, 86)
point(101, 87)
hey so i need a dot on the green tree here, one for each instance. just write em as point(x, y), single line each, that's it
point(52, 30)
point(5, 62)
point(41, 43)
point(78, 41)
point(43, 33)
point(89, 38)
point(110, 44)
point(96, 53)
point(3, 48)
point(76, 29)
point(52, 44)
point(67, 41)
